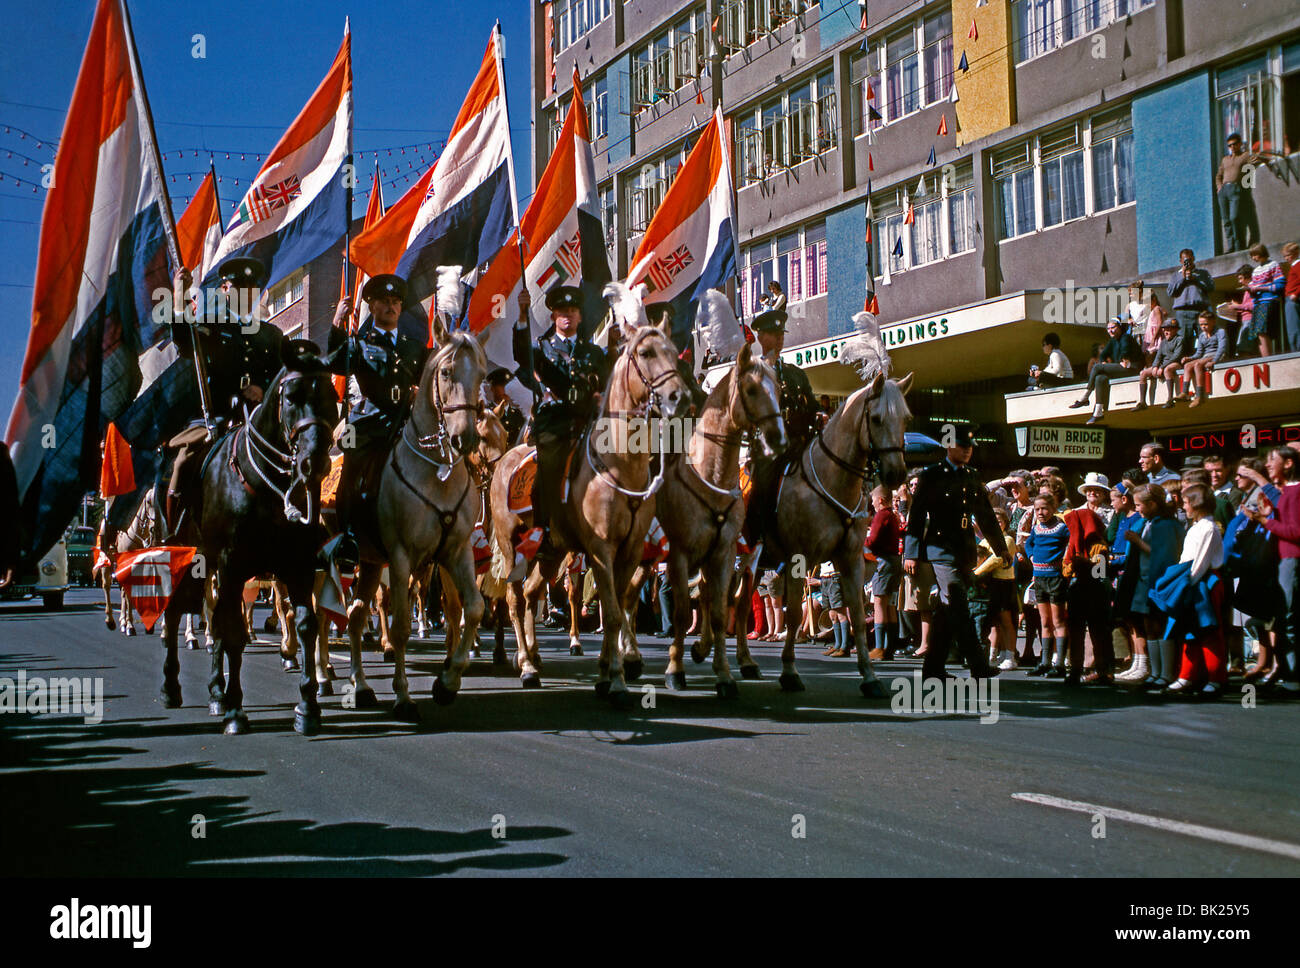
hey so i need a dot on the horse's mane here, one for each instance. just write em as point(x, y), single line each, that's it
point(456, 341)
point(893, 403)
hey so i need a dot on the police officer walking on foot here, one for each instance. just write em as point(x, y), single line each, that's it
point(799, 411)
point(241, 353)
point(567, 374)
point(950, 500)
point(383, 363)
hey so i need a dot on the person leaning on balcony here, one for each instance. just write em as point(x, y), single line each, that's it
point(1164, 366)
point(1190, 291)
point(1138, 312)
point(1291, 300)
point(1211, 348)
point(1058, 371)
point(1266, 286)
point(1233, 207)
point(1121, 356)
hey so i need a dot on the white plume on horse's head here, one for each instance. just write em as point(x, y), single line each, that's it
point(628, 304)
point(865, 350)
point(450, 293)
point(721, 328)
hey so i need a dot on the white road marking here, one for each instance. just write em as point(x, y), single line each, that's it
point(1279, 847)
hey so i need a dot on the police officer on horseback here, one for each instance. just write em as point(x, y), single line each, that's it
point(798, 410)
point(383, 361)
point(512, 418)
point(567, 374)
point(240, 353)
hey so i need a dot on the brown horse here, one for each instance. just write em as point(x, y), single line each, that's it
point(701, 511)
point(823, 513)
point(608, 508)
point(426, 512)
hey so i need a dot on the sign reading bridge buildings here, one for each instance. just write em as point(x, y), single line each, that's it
point(893, 337)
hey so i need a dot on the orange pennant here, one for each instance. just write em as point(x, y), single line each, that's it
point(973, 33)
point(910, 217)
point(943, 124)
point(116, 475)
point(873, 305)
point(871, 165)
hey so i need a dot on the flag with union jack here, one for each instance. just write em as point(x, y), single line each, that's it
point(661, 273)
point(568, 262)
point(262, 200)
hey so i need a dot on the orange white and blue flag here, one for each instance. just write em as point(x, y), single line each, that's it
point(690, 245)
point(101, 256)
point(563, 241)
point(460, 211)
point(297, 206)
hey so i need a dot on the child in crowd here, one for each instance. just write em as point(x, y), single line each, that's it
point(1157, 540)
point(1267, 283)
point(1045, 548)
point(1211, 348)
point(1164, 365)
point(883, 541)
point(1204, 670)
point(1003, 600)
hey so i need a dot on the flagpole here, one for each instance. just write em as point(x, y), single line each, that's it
point(497, 39)
point(349, 181)
point(154, 160)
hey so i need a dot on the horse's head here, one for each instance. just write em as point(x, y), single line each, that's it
point(882, 425)
point(450, 385)
point(493, 440)
point(756, 400)
point(304, 409)
point(645, 376)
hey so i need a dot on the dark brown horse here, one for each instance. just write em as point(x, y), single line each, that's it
point(253, 511)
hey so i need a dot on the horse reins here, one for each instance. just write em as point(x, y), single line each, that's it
point(861, 474)
point(259, 451)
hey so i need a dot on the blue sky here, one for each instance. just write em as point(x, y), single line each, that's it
point(412, 64)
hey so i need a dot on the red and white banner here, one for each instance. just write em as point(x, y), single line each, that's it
point(150, 576)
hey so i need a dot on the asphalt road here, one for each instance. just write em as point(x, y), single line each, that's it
point(556, 782)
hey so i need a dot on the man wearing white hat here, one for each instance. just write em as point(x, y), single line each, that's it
point(1096, 491)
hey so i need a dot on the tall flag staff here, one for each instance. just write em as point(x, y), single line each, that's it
point(500, 47)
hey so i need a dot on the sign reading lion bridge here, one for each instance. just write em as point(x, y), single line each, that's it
point(1064, 442)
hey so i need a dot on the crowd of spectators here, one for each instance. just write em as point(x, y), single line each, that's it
point(1179, 348)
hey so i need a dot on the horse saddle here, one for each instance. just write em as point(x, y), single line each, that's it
point(519, 496)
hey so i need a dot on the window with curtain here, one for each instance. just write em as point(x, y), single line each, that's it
point(1044, 25)
point(1061, 166)
point(1112, 160)
point(938, 57)
point(598, 108)
point(902, 75)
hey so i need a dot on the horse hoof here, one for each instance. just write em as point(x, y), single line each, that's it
point(873, 690)
point(602, 690)
point(621, 700)
point(366, 699)
point(308, 724)
point(130, 630)
point(148, 631)
point(790, 682)
point(325, 688)
point(575, 650)
point(750, 672)
point(191, 644)
point(171, 698)
point(216, 708)
point(290, 665)
point(531, 680)
point(368, 639)
point(632, 669)
point(727, 690)
point(697, 656)
point(329, 671)
point(236, 724)
point(499, 657)
point(389, 654)
point(109, 623)
point(675, 681)
point(441, 694)
point(406, 712)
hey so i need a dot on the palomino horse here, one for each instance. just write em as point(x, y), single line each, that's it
point(142, 532)
point(609, 505)
point(823, 513)
point(701, 511)
point(493, 443)
point(245, 522)
point(425, 513)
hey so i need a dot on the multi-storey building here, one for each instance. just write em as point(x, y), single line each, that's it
point(993, 170)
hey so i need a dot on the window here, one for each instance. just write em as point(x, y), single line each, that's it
point(796, 259)
point(575, 18)
point(942, 223)
point(798, 125)
point(1259, 98)
point(744, 22)
point(690, 47)
point(598, 108)
point(286, 293)
point(909, 70)
point(1065, 174)
point(608, 216)
point(1044, 25)
point(554, 124)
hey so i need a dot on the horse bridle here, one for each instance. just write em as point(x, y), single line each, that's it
point(862, 474)
point(437, 441)
point(259, 450)
point(754, 423)
point(652, 400)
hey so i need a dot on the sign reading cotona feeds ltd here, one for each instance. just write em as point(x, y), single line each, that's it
point(1066, 442)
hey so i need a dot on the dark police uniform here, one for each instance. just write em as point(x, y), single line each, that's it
point(950, 500)
point(566, 375)
point(513, 418)
point(382, 366)
point(238, 354)
point(799, 412)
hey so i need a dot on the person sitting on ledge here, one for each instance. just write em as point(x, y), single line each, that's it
point(1121, 356)
point(1058, 371)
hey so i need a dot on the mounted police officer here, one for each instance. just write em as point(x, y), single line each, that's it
point(950, 500)
point(383, 361)
point(241, 355)
point(798, 410)
point(567, 374)
point(513, 418)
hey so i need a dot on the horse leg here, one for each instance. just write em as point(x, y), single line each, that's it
point(358, 613)
point(851, 569)
point(748, 666)
point(679, 579)
point(713, 621)
point(451, 613)
point(462, 577)
point(228, 645)
point(399, 570)
point(191, 640)
point(306, 715)
point(209, 609)
point(106, 582)
point(573, 587)
point(500, 615)
point(530, 594)
point(126, 620)
point(324, 670)
point(790, 681)
point(171, 687)
point(611, 683)
point(286, 612)
point(383, 606)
